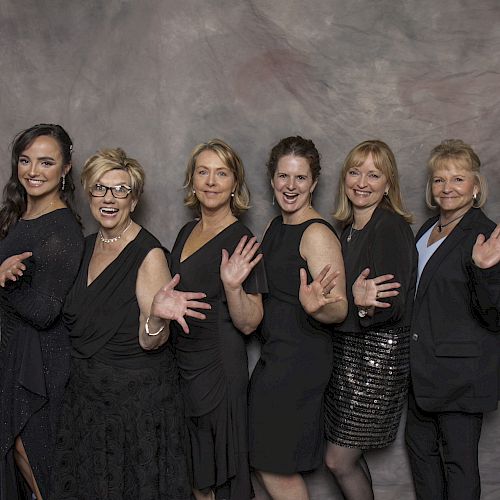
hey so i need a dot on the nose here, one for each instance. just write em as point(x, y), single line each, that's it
point(211, 178)
point(33, 170)
point(290, 183)
point(361, 181)
point(108, 197)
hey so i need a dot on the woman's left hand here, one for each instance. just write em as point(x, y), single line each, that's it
point(171, 304)
point(12, 268)
point(486, 252)
point(367, 292)
point(315, 295)
point(235, 269)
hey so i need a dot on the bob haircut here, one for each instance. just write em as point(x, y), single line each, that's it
point(241, 199)
point(455, 152)
point(383, 159)
point(113, 159)
point(295, 146)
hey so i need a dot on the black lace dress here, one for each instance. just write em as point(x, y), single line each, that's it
point(121, 428)
point(34, 350)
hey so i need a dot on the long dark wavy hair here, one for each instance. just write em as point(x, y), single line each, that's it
point(14, 201)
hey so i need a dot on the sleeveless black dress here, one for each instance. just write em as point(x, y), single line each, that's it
point(120, 435)
point(287, 385)
point(213, 366)
point(34, 351)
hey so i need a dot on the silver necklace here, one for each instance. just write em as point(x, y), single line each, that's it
point(349, 236)
point(116, 238)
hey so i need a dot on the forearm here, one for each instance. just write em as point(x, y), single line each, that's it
point(246, 310)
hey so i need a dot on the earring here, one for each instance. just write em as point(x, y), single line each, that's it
point(273, 200)
point(232, 194)
point(194, 192)
point(474, 198)
point(63, 182)
point(386, 194)
point(310, 200)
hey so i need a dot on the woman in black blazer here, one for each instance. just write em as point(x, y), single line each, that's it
point(454, 356)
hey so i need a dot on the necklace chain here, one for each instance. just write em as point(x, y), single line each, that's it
point(440, 226)
point(37, 214)
point(349, 237)
point(115, 238)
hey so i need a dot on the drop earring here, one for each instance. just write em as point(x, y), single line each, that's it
point(63, 182)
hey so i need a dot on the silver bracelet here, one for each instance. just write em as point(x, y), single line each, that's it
point(146, 327)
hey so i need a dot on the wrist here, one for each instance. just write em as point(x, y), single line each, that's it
point(154, 326)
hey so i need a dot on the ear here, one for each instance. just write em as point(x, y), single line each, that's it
point(313, 187)
point(272, 183)
point(66, 168)
point(134, 204)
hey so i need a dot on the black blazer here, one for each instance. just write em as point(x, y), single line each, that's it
point(454, 357)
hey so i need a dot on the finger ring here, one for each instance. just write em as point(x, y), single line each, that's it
point(378, 295)
point(325, 293)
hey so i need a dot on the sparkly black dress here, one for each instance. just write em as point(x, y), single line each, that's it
point(368, 388)
point(287, 385)
point(120, 436)
point(34, 350)
point(213, 366)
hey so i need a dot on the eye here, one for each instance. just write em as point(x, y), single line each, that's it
point(201, 171)
point(23, 161)
point(459, 179)
point(302, 177)
point(99, 188)
point(222, 173)
point(121, 189)
point(47, 163)
point(437, 181)
point(352, 172)
point(281, 176)
point(374, 176)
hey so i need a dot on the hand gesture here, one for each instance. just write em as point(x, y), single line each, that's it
point(486, 252)
point(367, 292)
point(315, 295)
point(234, 270)
point(171, 304)
point(13, 267)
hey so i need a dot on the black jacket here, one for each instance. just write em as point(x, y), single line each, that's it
point(454, 356)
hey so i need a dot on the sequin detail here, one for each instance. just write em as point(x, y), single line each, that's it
point(368, 388)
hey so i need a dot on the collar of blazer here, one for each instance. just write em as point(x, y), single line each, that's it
point(449, 244)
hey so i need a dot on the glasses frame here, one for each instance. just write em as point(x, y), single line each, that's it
point(110, 188)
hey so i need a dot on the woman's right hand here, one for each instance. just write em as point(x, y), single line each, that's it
point(367, 292)
point(13, 267)
point(170, 304)
point(486, 252)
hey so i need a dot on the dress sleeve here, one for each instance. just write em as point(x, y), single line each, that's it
point(393, 252)
point(484, 285)
point(37, 297)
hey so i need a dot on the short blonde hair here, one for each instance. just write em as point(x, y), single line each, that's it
point(113, 159)
point(384, 160)
point(241, 199)
point(457, 153)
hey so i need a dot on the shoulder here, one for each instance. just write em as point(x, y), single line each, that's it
point(480, 222)
point(389, 221)
point(319, 232)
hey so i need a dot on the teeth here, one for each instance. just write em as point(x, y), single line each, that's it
point(35, 182)
point(106, 210)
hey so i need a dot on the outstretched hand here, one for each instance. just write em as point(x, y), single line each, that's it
point(367, 292)
point(171, 304)
point(317, 294)
point(12, 268)
point(486, 252)
point(235, 269)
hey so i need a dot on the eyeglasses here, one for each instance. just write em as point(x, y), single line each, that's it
point(120, 191)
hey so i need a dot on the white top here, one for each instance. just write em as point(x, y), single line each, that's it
point(426, 251)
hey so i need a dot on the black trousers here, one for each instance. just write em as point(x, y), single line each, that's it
point(443, 451)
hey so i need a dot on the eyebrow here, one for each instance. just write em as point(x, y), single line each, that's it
point(40, 158)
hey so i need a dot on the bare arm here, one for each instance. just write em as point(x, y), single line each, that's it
point(162, 303)
point(246, 309)
point(325, 297)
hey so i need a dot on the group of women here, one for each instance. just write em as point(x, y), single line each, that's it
point(120, 381)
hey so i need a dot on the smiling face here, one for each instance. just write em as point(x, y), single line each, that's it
point(365, 185)
point(453, 189)
point(40, 168)
point(213, 182)
point(293, 184)
point(113, 214)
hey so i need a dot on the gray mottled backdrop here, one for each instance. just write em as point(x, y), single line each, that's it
point(158, 76)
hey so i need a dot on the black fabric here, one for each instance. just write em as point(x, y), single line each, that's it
point(287, 385)
point(454, 357)
point(121, 434)
point(103, 316)
point(34, 352)
point(213, 367)
point(443, 452)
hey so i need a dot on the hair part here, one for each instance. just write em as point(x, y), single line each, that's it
point(14, 202)
point(240, 202)
point(455, 152)
point(106, 160)
point(384, 160)
point(295, 146)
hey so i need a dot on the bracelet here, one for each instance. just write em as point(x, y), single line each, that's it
point(146, 327)
point(362, 312)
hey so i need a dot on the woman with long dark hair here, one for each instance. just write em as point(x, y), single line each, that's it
point(40, 250)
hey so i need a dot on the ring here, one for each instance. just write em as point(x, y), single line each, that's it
point(325, 293)
point(378, 295)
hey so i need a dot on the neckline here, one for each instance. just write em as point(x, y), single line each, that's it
point(43, 215)
point(205, 244)
point(91, 252)
point(315, 219)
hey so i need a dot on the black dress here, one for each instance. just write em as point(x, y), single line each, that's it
point(287, 385)
point(369, 383)
point(120, 435)
point(34, 352)
point(214, 372)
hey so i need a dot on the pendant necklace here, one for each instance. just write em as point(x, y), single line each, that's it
point(115, 238)
point(440, 226)
point(349, 236)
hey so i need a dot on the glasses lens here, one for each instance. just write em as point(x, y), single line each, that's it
point(98, 190)
point(120, 191)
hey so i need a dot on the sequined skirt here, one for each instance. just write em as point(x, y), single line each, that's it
point(368, 387)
